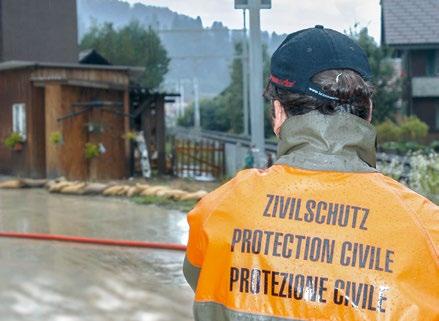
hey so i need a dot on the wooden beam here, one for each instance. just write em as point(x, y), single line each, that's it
point(161, 135)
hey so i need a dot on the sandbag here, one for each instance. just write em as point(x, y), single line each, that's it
point(152, 190)
point(113, 190)
point(134, 191)
point(56, 187)
point(94, 188)
point(174, 194)
point(11, 184)
point(123, 191)
point(193, 196)
point(33, 183)
point(165, 192)
point(77, 188)
point(142, 186)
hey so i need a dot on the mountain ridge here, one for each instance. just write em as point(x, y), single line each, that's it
point(196, 51)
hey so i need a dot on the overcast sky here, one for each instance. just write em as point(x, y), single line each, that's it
point(286, 16)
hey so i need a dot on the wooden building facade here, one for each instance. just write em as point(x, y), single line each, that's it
point(78, 103)
point(411, 28)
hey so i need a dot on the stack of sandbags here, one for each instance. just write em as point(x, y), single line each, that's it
point(61, 185)
point(176, 194)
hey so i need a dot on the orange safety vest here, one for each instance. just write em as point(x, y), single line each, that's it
point(298, 244)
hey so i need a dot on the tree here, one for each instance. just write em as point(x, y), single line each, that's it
point(225, 111)
point(132, 45)
point(385, 80)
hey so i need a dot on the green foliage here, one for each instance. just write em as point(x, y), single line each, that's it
point(225, 111)
point(132, 45)
point(184, 206)
point(387, 83)
point(130, 135)
point(388, 131)
point(13, 139)
point(422, 175)
point(56, 138)
point(404, 148)
point(435, 146)
point(410, 130)
point(91, 150)
point(413, 129)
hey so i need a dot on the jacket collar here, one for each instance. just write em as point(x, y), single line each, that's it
point(339, 142)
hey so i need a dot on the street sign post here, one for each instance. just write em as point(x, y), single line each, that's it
point(256, 74)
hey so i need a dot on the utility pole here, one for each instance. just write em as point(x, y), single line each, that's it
point(196, 105)
point(245, 76)
point(256, 74)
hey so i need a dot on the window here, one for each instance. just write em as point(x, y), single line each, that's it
point(19, 119)
point(432, 63)
point(437, 62)
point(437, 118)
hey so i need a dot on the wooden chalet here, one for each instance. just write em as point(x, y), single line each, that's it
point(412, 29)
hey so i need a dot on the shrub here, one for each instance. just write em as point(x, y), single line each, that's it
point(422, 175)
point(13, 139)
point(388, 131)
point(413, 129)
point(435, 146)
point(403, 137)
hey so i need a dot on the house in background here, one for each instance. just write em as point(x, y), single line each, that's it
point(412, 29)
point(38, 30)
point(81, 103)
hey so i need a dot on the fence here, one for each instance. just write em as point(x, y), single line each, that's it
point(198, 158)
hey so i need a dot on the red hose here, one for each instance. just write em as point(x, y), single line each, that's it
point(79, 239)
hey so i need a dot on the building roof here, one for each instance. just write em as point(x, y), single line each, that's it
point(409, 23)
point(93, 57)
point(9, 65)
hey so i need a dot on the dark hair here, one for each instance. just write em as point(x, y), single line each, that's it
point(353, 91)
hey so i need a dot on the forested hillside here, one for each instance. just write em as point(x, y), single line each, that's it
point(204, 52)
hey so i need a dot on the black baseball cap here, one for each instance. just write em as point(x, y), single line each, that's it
point(307, 52)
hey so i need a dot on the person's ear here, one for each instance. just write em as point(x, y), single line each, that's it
point(279, 117)
point(369, 118)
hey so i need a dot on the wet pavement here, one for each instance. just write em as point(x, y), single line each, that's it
point(43, 280)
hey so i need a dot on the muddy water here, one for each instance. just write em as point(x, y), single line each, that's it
point(63, 281)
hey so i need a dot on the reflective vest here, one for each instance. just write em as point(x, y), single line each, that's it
point(306, 244)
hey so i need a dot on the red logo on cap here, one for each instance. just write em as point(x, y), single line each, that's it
point(283, 82)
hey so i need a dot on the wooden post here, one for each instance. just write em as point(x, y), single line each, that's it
point(53, 101)
point(129, 150)
point(160, 132)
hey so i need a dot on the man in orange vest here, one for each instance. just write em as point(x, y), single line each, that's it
point(321, 234)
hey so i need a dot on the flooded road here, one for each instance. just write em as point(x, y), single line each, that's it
point(43, 280)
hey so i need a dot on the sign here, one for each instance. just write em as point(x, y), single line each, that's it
point(247, 4)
